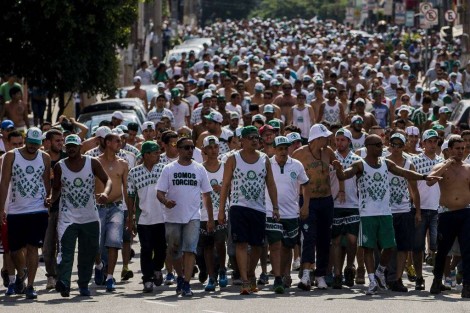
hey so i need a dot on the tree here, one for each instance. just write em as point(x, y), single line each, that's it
point(70, 45)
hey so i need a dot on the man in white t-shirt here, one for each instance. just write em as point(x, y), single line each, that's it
point(141, 184)
point(282, 233)
point(179, 189)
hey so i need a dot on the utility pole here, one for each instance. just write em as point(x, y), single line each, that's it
point(157, 39)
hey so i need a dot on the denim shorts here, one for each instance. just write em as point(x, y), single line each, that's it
point(111, 225)
point(182, 238)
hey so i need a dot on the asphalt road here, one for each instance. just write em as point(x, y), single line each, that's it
point(129, 298)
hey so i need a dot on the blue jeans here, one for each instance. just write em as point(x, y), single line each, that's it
point(182, 238)
point(316, 233)
point(111, 228)
point(428, 222)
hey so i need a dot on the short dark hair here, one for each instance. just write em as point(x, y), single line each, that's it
point(53, 132)
point(14, 133)
point(110, 137)
point(427, 100)
point(167, 135)
point(180, 141)
point(14, 90)
point(293, 129)
point(465, 133)
point(455, 139)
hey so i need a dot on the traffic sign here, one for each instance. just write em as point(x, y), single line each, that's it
point(450, 16)
point(425, 6)
point(431, 15)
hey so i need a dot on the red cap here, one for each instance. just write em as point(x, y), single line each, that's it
point(265, 128)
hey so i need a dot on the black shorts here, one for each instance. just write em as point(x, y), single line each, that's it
point(404, 226)
point(248, 225)
point(209, 239)
point(26, 229)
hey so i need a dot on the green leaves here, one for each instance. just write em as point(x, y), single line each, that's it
point(69, 44)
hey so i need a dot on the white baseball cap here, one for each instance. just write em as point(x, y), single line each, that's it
point(210, 140)
point(137, 79)
point(118, 115)
point(215, 117)
point(344, 132)
point(294, 137)
point(148, 124)
point(281, 140)
point(34, 136)
point(102, 131)
point(268, 108)
point(412, 130)
point(393, 79)
point(317, 131)
point(398, 136)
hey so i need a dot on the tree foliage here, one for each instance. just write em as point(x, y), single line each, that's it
point(70, 45)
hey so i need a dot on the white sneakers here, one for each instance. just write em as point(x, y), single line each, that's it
point(321, 283)
point(50, 282)
point(373, 287)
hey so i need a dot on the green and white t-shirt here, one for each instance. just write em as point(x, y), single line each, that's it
point(215, 178)
point(429, 194)
point(77, 199)
point(374, 190)
point(399, 193)
point(350, 185)
point(141, 182)
point(249, 182)
point(27, 189)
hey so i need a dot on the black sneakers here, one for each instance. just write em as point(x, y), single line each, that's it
point(466, 291)
point(437, 287)
point(398, 286)
point(419, 285)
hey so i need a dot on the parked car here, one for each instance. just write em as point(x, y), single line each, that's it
point(178, 50)
point(132, 108)
point(197, 41)
point(460, 116)
point(150, 89)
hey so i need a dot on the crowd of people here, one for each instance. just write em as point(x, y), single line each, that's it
point(294, 141)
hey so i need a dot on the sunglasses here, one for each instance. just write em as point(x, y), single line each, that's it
point(188, 147)
point(377, 144)
point(253, 137)
point(397, 145)
point(405, 99)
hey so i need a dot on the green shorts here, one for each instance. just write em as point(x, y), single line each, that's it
point(345, 221)
point(286, 230)
point(376, 231)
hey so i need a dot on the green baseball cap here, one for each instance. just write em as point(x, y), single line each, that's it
point(430, 133)
point(73, 140)
point(149, 146)
point(34, 136)
point(248, 130)
point(275, 124)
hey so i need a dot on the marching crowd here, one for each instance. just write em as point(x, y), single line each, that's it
point(293, 141)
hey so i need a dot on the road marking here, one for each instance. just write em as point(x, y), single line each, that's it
point(211, 311)
point(162, 303)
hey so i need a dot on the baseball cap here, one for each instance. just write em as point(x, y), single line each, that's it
point(445, 145)
point(6, 124)
point(444, 110)
point(399, 136)
point(149, 146)
point(268, 108)
point(406, 67)
point(434, 90)
point(215, 117)
point(293, 137)
point(357, 119)
point(118, 115)
point(34, 136)
point(247, 130)
point(281, 140)
point(161, 85)
point(404, 108)
point(258, 117)
point(430, 133)
point(276, 124)
point(265, 128)
point(393, 79)
point(210, 140)
point(412, 130)
point(73, 140)
point(259, 87)
point(317, 131)
point(137, 79)
point(123, 128)
point(234, 115)
point(102, 131)
point(175, 92)
point(148, 125)
point(344, 132)
point(206, 96)
point(359, 100)
point(238, 132)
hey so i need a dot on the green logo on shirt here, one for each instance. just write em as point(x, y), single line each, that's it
point(78, 182)
point(293, 175)
point(29, 169)
point(251, 175)
point(377, 176)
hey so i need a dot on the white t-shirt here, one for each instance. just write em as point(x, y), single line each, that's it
point(184, 185)
point(141, 182)
point(288, 180)
point(429, 194)
point(180, 112)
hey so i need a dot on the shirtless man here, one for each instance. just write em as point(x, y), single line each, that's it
point(286, 101)
point(367, 118)
point(316, 222)
point(111, 213)
point(136, 92)
point(454, 218)
point(16, 110)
